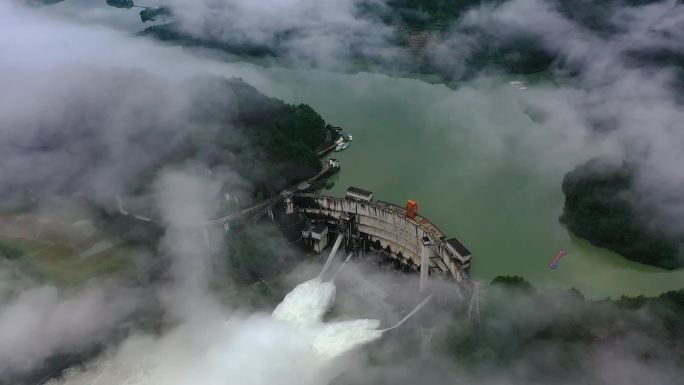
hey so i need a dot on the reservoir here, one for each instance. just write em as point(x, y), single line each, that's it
point(479, 165)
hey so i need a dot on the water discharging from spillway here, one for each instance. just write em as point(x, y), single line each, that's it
point(305, 306)
point(292, 346)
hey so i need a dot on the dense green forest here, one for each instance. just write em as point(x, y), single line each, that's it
point(121, 3)
point(151, 14)
point(171, 33)
point(259, 258)
point(259, 253)
point(269, 143)
point(600, 208)
point(432, 13)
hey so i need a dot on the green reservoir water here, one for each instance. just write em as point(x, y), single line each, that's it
point(479, 168)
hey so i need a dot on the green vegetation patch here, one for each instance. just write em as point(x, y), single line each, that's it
point(121, 3)
point(9, 251)
point(172, 33)
point(432, 14)
point(151, 14)
point(272, 145)
point(600, 207)
point(259, 254)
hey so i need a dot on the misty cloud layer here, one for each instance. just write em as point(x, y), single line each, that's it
point(522, 338)
point(94, 132)
point(617, 92)
point(75, 129)
point(185, 201)
point(326, 33)
point(84, 119)
point(620, 90)
point(42, 322)
point(631, 105)
point(83, 112)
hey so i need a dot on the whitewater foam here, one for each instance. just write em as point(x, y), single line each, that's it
point(337, 338)
point(292, 346)
point(306, 304)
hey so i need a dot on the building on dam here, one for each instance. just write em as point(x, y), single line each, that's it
point(410, 240)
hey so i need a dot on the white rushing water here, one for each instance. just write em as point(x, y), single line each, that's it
point(292, 346)
point(305, 306)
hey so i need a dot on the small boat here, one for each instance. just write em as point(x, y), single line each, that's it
point(554, 264)
point(349, 138)
point(339, 140)
point(341, 146)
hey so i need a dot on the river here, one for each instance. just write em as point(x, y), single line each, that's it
point(480, 168)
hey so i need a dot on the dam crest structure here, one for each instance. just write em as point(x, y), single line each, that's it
point(364, 225)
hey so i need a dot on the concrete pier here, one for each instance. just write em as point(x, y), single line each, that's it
point(424, 262)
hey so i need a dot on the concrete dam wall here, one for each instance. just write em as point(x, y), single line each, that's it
point(410, 239)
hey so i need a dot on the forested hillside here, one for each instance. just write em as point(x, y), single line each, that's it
point(600, 207)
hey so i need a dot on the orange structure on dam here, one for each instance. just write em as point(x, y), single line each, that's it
point(411, 209)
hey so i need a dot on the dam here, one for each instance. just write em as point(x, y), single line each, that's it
point(364, 225)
